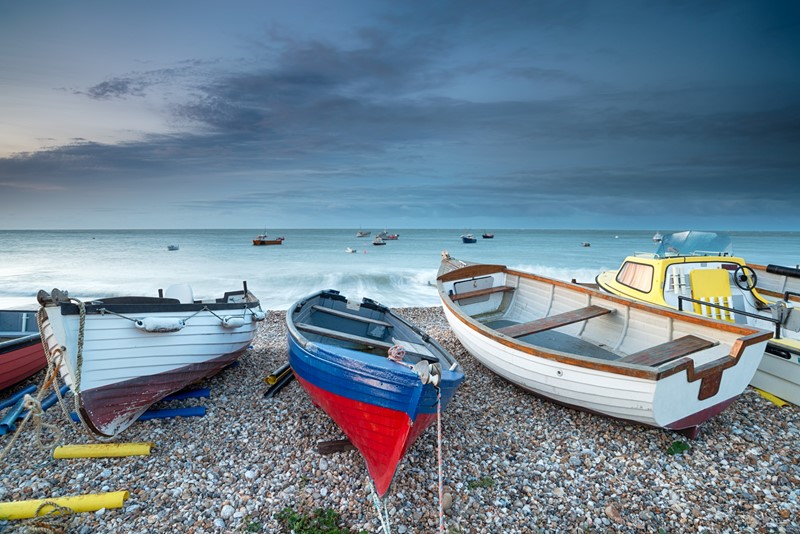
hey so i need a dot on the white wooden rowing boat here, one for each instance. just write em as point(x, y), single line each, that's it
point(598, 352)
point(120, 355)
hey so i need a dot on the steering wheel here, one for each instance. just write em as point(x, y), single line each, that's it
point(745, 277)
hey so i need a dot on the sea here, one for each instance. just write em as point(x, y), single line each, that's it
point(91, 264)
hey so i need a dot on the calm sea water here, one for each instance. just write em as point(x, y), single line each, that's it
point(97, 263)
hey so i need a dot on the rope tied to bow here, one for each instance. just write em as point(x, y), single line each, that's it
point(397, 354)
point(380, 507)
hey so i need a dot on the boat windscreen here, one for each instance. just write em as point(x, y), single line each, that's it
point(691, 243)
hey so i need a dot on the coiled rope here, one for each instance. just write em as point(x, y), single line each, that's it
point(397, 354)
point(55, 520)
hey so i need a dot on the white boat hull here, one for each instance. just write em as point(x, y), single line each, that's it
point(679, 394)
point(122, 369)
point(779, 376)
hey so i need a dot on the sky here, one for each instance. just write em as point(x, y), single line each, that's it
point(662, 115)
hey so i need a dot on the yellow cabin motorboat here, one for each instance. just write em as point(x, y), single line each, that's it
point(697, 272)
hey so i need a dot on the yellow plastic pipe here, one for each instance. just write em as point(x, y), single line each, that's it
point(79, 503)
point(103, 450)
point(772, 398)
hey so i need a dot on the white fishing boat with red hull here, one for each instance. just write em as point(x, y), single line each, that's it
point(119, 355)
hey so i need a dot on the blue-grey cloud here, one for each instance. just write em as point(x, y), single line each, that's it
point(438, 110)
point(117, 88)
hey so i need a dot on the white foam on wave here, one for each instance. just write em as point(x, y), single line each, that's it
point(397, 288)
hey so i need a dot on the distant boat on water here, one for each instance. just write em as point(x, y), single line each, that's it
point(362, 233)
point(487, 235)
point(378, 241)
point(263, 239)
point(173, 247)
point(657, 237)
point(350, 250)
point(469, 238)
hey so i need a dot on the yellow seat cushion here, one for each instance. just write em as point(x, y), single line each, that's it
point(714, 286)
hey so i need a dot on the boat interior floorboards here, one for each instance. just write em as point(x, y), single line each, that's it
point(559, 341)
point(551, 339)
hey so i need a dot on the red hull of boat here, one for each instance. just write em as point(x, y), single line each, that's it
point(110, 409)
point(381, 435)
point(21, 362)
point(690, 426)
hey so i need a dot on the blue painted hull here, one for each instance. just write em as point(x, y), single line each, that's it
point(382, 406)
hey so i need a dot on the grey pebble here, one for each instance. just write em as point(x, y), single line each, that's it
point(512, 463)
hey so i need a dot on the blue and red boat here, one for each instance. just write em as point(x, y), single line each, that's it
point(378, 376)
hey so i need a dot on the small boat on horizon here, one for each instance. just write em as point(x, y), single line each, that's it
point(264, 239)
point(136, 350)
point(487, 235)
point(373, 372)
point(362, 233)
point(21, 351)
point(173, 247)
point(598, 352)
point(350, 250)
point(698, 272)
point(468, 238)
point(378, 241)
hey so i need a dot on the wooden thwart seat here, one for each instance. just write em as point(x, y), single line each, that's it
point(480, 292)
point(347, 315)
point(666, 352)
point(343, 336)
point(554, 321)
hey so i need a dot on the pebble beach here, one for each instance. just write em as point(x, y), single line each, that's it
point(512, 463)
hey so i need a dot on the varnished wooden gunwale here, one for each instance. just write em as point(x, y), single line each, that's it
point(471, 271)
point(711, 370)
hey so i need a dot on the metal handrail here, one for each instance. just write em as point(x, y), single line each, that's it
point(777, 322)
point(790, 293)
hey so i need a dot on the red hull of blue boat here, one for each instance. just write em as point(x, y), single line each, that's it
point(381, 406)
point(381, 435)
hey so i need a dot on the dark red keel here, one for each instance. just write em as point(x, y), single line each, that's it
point(109, 410)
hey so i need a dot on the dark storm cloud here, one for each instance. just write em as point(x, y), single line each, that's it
point(387, 121)
point(117, 88)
